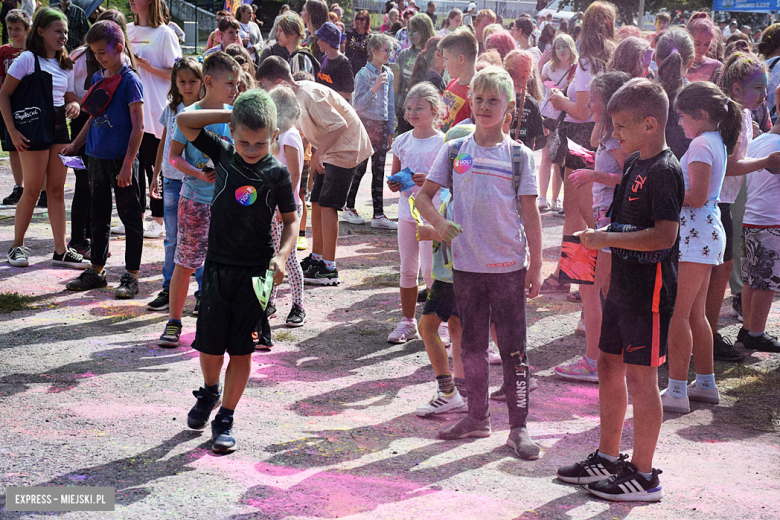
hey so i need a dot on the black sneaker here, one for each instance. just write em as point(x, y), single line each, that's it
point(200, 413)
point(222, 434)
point(422, 295)
point(499, 395)
point(270, 310)
point(196, 310)
point(741, 335)
point(70, 258)
point(161, 303)
point(723, 349)
point(89, 279)
point(296, 318)
point(629, 486)
point(736, 307)
point(128, 287)
point(14, 197)
point(592, 469)
point(321, 275)
point(762, 343)
point(307, 263)
point(43, 200)
point(170, 337)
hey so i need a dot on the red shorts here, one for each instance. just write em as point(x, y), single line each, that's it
point(641, 338)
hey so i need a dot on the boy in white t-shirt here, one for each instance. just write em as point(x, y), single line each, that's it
point(492, 243)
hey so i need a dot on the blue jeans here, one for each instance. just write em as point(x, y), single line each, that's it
point(171, 190)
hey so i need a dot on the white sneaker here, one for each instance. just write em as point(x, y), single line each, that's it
point(154, 230)
point(19, 256)
point(405, 330)
point(351, 216)
point(443, 403)
point(674, 404)
point(383, 223)
point(118, 230)
point(556, 205)
point(580, 330)
point(444, 334)
point(542, 203)
point(493, 357)
point(703, 395)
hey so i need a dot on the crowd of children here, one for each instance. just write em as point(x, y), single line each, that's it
point(669, 174)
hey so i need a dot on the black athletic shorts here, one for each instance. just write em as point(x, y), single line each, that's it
point(330, 189)
point(441, 301)
point(639, 338)
point(229, 310)
point(728, 225)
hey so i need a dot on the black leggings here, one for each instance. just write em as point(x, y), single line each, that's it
point(82, 196)
point(147, 155)
point(377, 132)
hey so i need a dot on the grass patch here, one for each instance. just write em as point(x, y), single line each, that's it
point(755, 391)
point(10, 302)
point(367, 332)
point(284, 335)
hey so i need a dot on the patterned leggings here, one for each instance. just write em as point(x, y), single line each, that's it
point(293, 268)
point(377, 132)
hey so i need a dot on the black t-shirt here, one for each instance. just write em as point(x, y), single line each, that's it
point(337, 74)
point(244, 204)
point(530, 122)
point(356, 49)
point(650, 190)
point(275, 50)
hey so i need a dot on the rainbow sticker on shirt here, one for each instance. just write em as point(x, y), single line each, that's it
point(246, 195)
point(462, 163)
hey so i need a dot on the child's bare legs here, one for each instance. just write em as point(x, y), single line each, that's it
point(591, 305)
point(329, 222)
point(180, 283)
point(409, 302)
point(578, 206)
point(16, 168)
point(546, 170)
point(236, 375)
point(756, 304)
point(689, 329)
point(719, 280)
point(429, 330)
point(316, 228)
point(613, 402)
point(37, 166)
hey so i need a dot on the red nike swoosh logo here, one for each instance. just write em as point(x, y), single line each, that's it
point(633, 198)
point(634, 349)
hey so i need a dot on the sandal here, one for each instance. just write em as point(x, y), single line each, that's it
point(574, 297)
point(552, 285)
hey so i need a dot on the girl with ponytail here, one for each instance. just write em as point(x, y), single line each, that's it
point(674, 53)
point(713, 121)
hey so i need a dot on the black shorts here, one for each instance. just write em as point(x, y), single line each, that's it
point(60, 133)
point(728, 226)
point(441, 301)
point(580, 134)
point(330, 189)
point(640, 338)
point(229, 310)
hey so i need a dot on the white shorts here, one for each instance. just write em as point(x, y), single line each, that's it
point(702, 237)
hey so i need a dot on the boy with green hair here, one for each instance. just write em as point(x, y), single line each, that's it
point(249, 186)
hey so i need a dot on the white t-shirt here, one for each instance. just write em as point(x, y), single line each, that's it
point(292, 137)
point(763, 188)
point(557, 76)
point(61, 80)
point(774, 81)
point(732, 185)
point(605, 162)
point(160, 47)
point(708, 148)
point(168, 120)
point(79, 57)
point(580, 83)
point(417, 155)
point(485, 205)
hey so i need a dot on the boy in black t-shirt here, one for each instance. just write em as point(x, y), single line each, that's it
point(250, 184)
point(336, 71)
point(642, 292)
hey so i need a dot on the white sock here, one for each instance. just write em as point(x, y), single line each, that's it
point(608, 457)
point(677, 388)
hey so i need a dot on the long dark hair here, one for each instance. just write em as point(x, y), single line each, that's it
point(423, 61)
point(598, 35)
point(673, 51)
point(184, 63)
point(706, 96)
point(34, 43)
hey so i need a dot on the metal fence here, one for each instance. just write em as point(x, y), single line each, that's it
point(507, 10)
